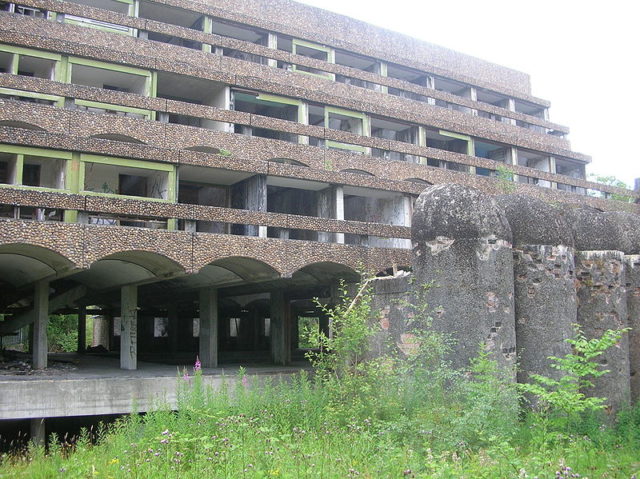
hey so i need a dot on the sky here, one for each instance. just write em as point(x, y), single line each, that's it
point(582, 56)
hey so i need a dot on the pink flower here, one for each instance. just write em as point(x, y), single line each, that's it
point(186, 376)
point(198, 365)
point(245, 381)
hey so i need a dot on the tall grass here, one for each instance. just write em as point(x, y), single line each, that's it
point(386, 417)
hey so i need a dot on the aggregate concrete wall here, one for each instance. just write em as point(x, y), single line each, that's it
point(462, 247)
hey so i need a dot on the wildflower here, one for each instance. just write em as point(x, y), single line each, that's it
point(245, 381)
point(165, 432)
point(164, 441)
point(186, 376)
point(198, 365)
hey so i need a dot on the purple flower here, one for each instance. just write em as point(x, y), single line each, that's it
point(198, 365)
point(186, 376)
point(245, 381)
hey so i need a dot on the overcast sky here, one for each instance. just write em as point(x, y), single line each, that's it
point(582, 56)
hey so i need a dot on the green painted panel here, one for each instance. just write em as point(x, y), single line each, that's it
point(29, 94)
point(26, 150)
point(109, 66)
point(30, 53)
point(107, 160)
point(108, 106)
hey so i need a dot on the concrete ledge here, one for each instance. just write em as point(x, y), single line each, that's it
point(44, 398)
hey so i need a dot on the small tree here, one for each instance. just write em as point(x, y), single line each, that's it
point(565, 395)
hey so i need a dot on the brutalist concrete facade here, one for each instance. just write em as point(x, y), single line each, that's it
point(195, 172)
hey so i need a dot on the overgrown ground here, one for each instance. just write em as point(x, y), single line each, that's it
point(359, 417)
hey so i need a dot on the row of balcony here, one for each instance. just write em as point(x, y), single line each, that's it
point(254, 45)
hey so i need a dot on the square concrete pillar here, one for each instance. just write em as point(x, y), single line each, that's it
point(38, 435)
point(82, 329)
point(41, 318)
point(172, 315)
point(129, 327)
point(339, 210)
point(280, 329)
point(208, 350)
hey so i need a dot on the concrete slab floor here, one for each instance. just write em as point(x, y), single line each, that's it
point(89, 366)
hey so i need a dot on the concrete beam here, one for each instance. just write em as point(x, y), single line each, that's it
point(129, 327)
point(68, 298)
point(41, 318)
point(208, 350)
point(38, 398)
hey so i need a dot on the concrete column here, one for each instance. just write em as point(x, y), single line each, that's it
point(41, 318)
point(38, 434)
point(272, 42)
point(129, 327)
point(602, 300)
point(82, 329)
point(208, 350)
point(545, 296)
point(602, 305)
point(172, 316)
point(280, 329)
point(339, 210)
point(462, 246)
point(255, 199)
point(101, 332)
point(632, 266)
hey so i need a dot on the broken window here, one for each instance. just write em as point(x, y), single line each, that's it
point(493, 151)
point(570, 168)
point(110, 77)
point(120, 179)
point(537, 161)
point(266, 105)
point(160, 327)
point(27, 62)
point(173, 16)
point(315, 51)
point(531, 109)
point(448, 141)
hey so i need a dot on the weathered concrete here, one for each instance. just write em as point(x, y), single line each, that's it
point(41, 319)
point(129, 327)
point(632, 276)
point(38, 431)
point(545, 295)
point(601, 291)
point(280, 330)
point(209, 327)
point(462, 247)
point(82, 329)
point(104, 389)
point(602, 305)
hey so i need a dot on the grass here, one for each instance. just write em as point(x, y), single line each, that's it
point(299, 429)
point(393, 416)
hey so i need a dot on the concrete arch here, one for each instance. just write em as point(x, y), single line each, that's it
point(174, 246)
point(245, 267)
point(356, 171)
point(118, 137)
point(324, 272)
point(204, 149)
point(21, 124)
point(22, 264)
point(128, 267)
point(418, 181)
point(288, 161)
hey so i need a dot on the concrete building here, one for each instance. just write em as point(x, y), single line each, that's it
point(193, 173)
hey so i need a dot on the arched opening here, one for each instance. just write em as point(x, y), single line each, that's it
point(287, 161)
point(118, 137)
point(21, 124)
